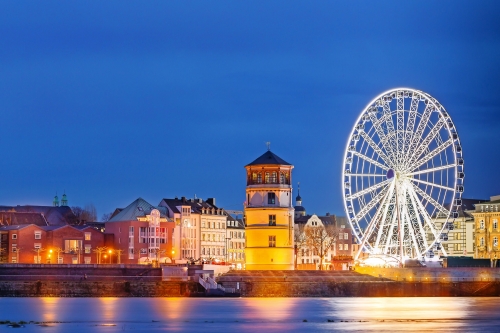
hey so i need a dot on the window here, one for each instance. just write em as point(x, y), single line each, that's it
point(72, 245)
point(131, 230)
point(13, 260)
point(267, 177)
point(87, 235)
point(495, 241)
point(272, 241)
point(341, 236)
point(340, 247)
point(38, 235)
point(14, 248)
point(271, 198)
point(342, 226)
point(495, 224)
point(481, 224)
point(87, 248)
point(282, 178)
point(143, 251)
point(60, 260)
point(14, 236)
point(346, 235)
point(38, 246)
point(481, 242)
point(272, 219)
point(259, 178)
point(254, 177)
point(86, 260)
point(346, 247)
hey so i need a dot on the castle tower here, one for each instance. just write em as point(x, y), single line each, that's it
point(299, 209)
point(269, 214)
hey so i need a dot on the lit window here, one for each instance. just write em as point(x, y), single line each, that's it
point(481, 224)
point(340, 247)
point(38, 246)
point(346, 235)
point(87, 248)
point(87, 235)
point(346, 247)
point(341, 236)
point(38, 235)
point(259, 178)
point(272, 241)
point(495, 241)
point(495, 224)
point(342, 226)
point(271, 198)
point(14, 248)
point(272, 220)
point(87, 260)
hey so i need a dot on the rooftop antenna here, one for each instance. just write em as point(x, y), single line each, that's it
point(268, 144)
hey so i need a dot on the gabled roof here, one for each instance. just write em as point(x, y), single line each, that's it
point(54, 215)
point(269, 158)
point(14, 227)
point(15, 218)
point(195, 204)
point(138, 208)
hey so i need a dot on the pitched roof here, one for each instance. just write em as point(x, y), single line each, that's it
point(195, 204)
point(61, 215)
point(138, 208)
point(269, 158)
point(16, 218)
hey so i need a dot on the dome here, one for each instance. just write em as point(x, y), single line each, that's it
point(298, 198)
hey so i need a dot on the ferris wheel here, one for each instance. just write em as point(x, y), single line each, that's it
point(403, 171)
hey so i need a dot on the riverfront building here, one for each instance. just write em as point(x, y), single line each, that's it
point(487, 230)
point(142, 234)
point(269, 214)
point(235, 237)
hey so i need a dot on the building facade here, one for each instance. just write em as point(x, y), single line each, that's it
point(235, 236)
point(142, 234)
point(486, 230)
point(269, 214)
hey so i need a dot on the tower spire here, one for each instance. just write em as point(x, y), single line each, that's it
point(268, 144)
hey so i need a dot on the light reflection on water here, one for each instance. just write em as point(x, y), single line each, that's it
point(253, 314)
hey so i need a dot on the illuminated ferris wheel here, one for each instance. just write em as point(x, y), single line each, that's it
point(403, 169)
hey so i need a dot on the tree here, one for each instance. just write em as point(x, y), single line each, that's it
point(321, 239)
point(299, 240)
point(106, 217)
point(87, 214)
point(157, 253)
point(38, 250)
point(99, 251)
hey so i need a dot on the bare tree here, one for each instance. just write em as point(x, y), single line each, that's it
point(38, 250)
point(106, 217)
point(299, 240)
point(99, 251)
point(157, 252)
point(321, 239)
point(87, 214)
point(3, 254)
point(119, 254)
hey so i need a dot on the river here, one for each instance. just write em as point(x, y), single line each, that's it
point(252, 314)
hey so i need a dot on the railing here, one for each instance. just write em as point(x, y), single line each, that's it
point(441, 279)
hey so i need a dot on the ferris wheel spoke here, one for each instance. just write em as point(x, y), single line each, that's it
point(423, 212)
point(428, 139)
point(400, 131)
point(417, 215)
point(368, 159)
point(443, 167)
point(377, 124)
point(370, 189)
point(431, 200)
point(375, 147)
point(422, 124)
point(371, 227)
point(411, 226)
point(391, 133)
point(411, 122)
point(387, 204)
point(367, 175)
point(390, 234)
point(370, 204)
point(432, 154)
point(432, 184)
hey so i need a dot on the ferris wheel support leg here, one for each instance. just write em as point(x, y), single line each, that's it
point(400, 230)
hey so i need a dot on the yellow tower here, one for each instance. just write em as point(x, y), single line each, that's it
point(269, 214)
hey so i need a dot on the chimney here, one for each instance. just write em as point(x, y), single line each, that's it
point(211, 201)
point(327, 214)
point(183, 199)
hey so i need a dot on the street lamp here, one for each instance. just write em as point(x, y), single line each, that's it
point(50, 254)
point(110, 252)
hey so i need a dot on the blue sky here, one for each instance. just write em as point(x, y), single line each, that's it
point(114, 100)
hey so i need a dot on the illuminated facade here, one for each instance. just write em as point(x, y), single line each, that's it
point(487, 230)
point(269, 214)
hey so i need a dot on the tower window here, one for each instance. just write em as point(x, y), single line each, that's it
point(282, 178)
point(272, 241)
point(271, 198)
point(272, 220)
point(259, 178)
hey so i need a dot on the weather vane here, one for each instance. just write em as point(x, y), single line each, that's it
point(268, 144)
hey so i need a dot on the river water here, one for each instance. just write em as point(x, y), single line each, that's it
point(252, 314)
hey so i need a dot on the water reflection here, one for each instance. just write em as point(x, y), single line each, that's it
point(254, 314)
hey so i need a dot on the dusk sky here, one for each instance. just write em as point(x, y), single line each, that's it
point(115, 100)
